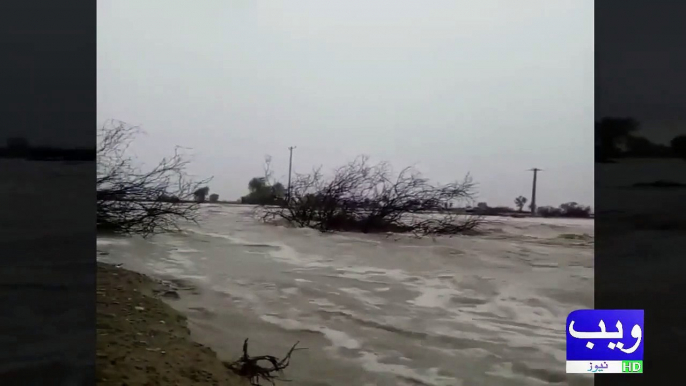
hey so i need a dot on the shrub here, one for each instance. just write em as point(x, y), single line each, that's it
point(369, 198)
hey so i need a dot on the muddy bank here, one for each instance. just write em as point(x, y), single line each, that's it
point(143, 341)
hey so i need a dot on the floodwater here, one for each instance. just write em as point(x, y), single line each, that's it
point(379, 309)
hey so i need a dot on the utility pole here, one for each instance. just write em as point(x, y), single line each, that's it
point(533, 191)
point(290, 167)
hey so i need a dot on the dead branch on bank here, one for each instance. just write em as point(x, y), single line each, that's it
point(250, 368)
point(132, 201)
point(369, 198)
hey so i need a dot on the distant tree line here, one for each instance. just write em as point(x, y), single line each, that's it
point(569, 209)
point(616, 138)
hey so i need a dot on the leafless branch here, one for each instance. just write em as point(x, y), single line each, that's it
point(271, 369)
point(130, 200)
point(370, 198)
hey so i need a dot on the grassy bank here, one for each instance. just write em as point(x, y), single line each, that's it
point(143, 341)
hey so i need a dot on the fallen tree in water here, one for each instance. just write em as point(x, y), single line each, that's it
point(361, 197)
point(250, 367)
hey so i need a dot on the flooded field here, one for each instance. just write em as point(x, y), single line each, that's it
point(379, 310)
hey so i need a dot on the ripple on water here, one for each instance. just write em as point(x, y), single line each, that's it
point(202, 312)
point(364, 297)
point(458, 340)
point(405, 374)
point(446, 297)
point(338, 339)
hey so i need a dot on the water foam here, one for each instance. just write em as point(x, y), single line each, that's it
point(338, 339)
point(430, 377)
point(105, 241)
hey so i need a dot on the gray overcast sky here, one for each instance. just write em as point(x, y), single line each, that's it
point(490, 87)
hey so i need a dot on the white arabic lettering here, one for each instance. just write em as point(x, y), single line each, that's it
point(603, 334)
point(635, 333)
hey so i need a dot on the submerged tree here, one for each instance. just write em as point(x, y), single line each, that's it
point(135, 201)
point(371, 198)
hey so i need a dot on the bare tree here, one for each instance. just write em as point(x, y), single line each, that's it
point(520, 202)
point(370, 198)
point(133, 201)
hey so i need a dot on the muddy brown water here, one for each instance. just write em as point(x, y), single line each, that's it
point(378, 310)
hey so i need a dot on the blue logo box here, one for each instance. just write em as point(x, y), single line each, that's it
point(605, 335)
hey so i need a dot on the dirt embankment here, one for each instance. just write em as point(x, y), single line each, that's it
point(143, 341)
